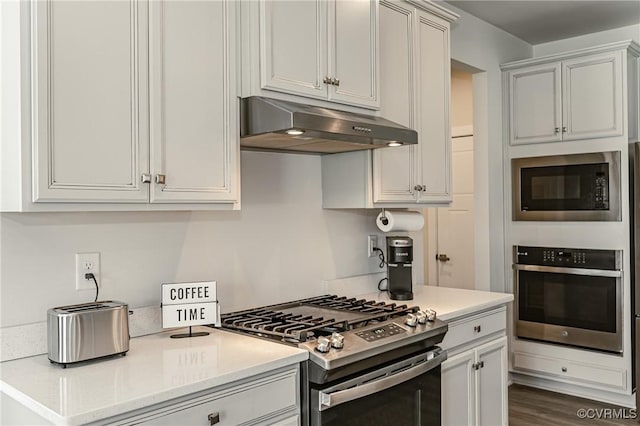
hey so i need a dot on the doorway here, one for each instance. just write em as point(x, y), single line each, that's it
point(451, 232)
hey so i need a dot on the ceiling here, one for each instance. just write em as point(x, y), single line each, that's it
point(542, 21)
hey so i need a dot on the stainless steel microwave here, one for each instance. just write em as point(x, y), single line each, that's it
point(574, 187)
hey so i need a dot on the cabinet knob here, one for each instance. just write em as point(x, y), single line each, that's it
point(160, 179)
point(335, 82)
point(557, 130)
point(418, 188)
point(214, 418)
point(564, 129)
point(442, 257)
point(327, 80)
point(477, 329)
point(145, 178)
point(564, 369)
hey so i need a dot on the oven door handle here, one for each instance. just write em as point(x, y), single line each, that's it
point(331, 399)
point(572, 271)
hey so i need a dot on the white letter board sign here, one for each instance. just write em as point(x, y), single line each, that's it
point(187, 304)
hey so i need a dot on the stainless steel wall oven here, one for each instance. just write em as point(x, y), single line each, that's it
point(577, 187)
point(569, 296)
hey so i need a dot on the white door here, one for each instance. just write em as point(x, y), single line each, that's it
point(394, 169)
point(293, 46)
point(459, 390)
point(455, 224)
point(593, 96)
point(491, 388)
point(535, 100)
point(194, 107)
point(353, 47)
point(90, 101)
point(434, 132)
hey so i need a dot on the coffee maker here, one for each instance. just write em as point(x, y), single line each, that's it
point(399, 258)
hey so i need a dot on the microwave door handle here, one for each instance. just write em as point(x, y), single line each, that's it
point(329, 400)
point(572, 271)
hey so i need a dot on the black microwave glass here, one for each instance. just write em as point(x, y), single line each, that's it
point(565, 188)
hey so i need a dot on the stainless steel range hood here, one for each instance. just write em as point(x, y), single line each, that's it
point(271, 124)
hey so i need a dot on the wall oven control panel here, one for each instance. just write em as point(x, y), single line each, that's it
point(567, 257)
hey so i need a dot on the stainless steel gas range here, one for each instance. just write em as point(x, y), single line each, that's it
point(370, 363)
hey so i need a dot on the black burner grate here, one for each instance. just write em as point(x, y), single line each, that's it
point(301, 320)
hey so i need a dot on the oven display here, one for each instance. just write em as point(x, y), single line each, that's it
point(380, 333)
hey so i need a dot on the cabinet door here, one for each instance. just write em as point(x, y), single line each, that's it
point(492, 383)
point(394, 169)
point(592, 96)
point(434, 131)
point(459, 390)
point(89, 101)
point(194, 107)
point(535, 104)
point(293, 46)
point(353, 52)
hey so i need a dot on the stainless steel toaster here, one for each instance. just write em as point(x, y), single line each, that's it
point(87, 331)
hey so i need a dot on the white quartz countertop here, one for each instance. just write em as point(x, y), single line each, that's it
point(156, 369)
point(449, 303)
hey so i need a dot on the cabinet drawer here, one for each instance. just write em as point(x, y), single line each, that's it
point(240, 404)
point(578, 371)
point(476, 327)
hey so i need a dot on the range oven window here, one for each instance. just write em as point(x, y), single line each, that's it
point(565, 188)
point(567, 300)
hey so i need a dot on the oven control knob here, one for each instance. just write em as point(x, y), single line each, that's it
point(323, 345)
point(411, 320)
point(422, 317)
point(337, 340)
point(431, 314)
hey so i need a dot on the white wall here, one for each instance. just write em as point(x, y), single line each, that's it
point(279, 247)
point(483, 48)
point(631, 32)
point(461, 98)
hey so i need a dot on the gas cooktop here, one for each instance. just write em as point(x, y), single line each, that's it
point(339, 331)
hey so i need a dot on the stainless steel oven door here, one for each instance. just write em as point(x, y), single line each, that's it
point(403, 393)
point(573, 306)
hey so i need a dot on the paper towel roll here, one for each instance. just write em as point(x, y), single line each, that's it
point(400, 221)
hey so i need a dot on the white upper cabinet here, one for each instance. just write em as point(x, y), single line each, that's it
point(579, 95)
point(194, 107)
point(133, 104)
point(414, 92)
point(90, 139)
point(322, 49)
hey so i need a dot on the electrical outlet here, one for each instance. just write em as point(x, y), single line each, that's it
point(87, 263)
point(372, 241)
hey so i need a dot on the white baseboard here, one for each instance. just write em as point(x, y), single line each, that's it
point(620, 399)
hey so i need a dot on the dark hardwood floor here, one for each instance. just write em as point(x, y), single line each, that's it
point(536, 407)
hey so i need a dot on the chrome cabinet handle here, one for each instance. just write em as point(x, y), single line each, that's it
point(335, 82)
point(160, 179)
point(214, 418)
point(327, 80)
point(145, 178)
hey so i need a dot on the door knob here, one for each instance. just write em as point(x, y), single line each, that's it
point(442, 257)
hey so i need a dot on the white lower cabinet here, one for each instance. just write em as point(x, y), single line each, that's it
point(474, 377)
point(271, 399)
